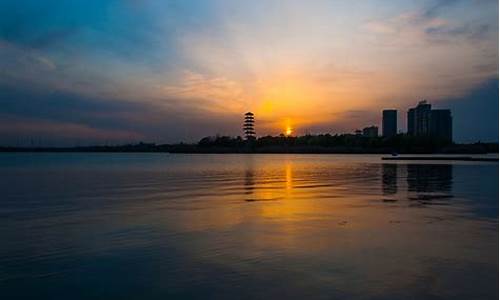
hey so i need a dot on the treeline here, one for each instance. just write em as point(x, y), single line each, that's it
point(322, 143)
point(338, 143)
point(139, 147)
point(325, 140)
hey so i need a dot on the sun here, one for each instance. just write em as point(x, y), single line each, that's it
point(288, 127)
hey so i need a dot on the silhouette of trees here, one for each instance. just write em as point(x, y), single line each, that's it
point(348, 143)
point(321, 143)
point(221, 141)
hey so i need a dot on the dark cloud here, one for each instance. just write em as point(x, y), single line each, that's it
point(59, 105)
point(66, 119)
point(107, 119)
point(92, 28)
point(34, 24)
point(438, 6)
point(475, 115)
point(472, 32)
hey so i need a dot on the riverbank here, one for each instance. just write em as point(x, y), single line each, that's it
point(441, 158)
point(477, 148)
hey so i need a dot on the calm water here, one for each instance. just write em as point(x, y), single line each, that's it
point(158, 226)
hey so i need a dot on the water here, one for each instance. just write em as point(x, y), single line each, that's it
point(158, 226)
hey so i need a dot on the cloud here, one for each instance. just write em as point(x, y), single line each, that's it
point(433, 24)
point(16, 59)
point(437, 6)
point(218, 94)
point(26, 129)
point(427, 42)
point(470, 32)
point(170, 71)
point(475, 114)
point(57, 116)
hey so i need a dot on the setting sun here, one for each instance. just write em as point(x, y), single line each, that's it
point(288, 127)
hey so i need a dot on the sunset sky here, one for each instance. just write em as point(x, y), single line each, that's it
point(94, 71)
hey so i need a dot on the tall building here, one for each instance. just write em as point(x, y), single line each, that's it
point(410, 119)
point(248, 126)
point(425, 121)
point(422, 118)
point(371, 131)
point(441, 124)
point(389, 122)
point(419, 119)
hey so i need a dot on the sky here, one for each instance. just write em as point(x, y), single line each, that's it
point(81, 72)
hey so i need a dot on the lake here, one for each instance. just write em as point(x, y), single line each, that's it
point(165, 226)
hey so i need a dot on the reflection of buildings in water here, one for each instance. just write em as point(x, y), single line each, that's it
point(429, 178)
point(389, 179)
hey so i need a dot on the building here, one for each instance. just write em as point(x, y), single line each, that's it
point(425, 121)
point(441, 124)
point(389, 122)
point(422, 118)
point(249, 126)
point(419, 119)
point(371, 131)
point(410, 119)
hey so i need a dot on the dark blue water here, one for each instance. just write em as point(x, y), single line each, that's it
point(159, 226)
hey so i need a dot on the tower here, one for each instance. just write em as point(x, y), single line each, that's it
point(248, 126)
point(389, 122)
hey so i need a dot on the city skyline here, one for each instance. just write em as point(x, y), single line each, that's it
point(421, 120)
point(94, 72)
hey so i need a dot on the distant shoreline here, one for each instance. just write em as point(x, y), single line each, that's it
point(306, 144)
point(478, 148)
point(441, 158)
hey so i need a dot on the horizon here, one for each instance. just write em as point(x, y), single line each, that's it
point(93, 72)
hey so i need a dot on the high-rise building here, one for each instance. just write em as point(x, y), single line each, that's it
point(371, 131)
point(410, 120)
point(419, 119)
point(422, 118)
point(389, 122)
point(441, 124)
point(424, 121)
point(248, 126)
